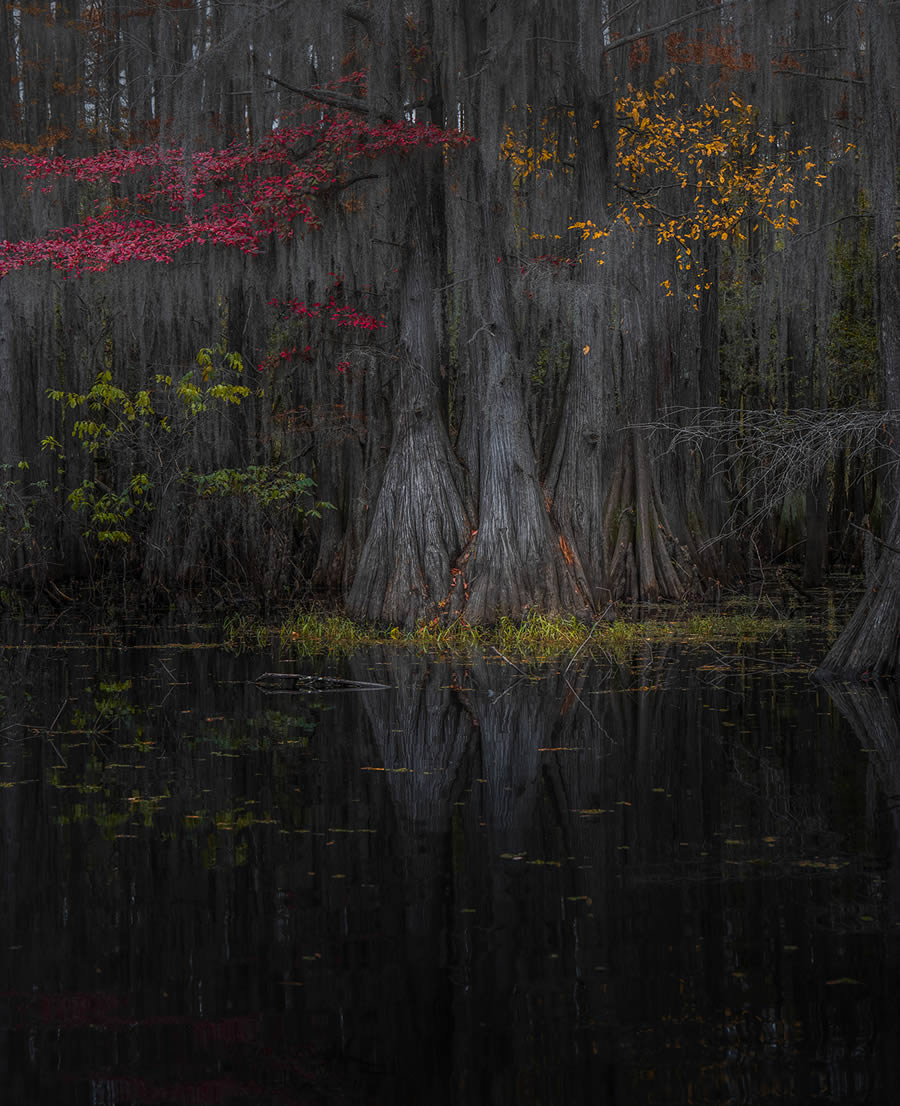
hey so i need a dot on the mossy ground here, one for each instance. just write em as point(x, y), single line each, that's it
point(537, 637)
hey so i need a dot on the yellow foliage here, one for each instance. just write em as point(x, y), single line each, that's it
point(540, 151)
point(728, 175)
point(660, 142)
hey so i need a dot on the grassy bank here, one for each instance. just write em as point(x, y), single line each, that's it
point(536, 637)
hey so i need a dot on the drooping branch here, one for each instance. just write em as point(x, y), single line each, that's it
point(765, 456)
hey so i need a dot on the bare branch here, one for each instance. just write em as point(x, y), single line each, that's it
point(628, 39)
point(358, 14)
point(324, 96)
point(339, 186)
point(866, 530)
point(787, 72)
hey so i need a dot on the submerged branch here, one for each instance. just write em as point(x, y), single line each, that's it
point(318, 682)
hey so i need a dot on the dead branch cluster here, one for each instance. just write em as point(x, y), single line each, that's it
point(763, 457)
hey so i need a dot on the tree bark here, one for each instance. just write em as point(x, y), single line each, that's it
point(419, 524)
point(646, 561)
point(577, 477)
point(518, 563)
point(869, 646)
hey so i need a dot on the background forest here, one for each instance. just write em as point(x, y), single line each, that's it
point(451, 309)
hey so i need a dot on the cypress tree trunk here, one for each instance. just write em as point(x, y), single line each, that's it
point(578, 474)
point(575, 484)
point(636, 527)
point(517, 561)
point(654, 509)
point(419, 524)
point(870, 643)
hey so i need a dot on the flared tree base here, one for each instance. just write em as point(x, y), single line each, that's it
point(646, 562)
point(869, 646)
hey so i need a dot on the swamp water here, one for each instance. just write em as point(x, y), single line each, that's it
point(671, 882)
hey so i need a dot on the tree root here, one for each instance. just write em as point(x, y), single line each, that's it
point(646, 562)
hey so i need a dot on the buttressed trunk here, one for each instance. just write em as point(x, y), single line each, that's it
point(517, 562)
point(419, 524)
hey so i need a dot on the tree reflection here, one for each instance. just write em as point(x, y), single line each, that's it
point(660, 881)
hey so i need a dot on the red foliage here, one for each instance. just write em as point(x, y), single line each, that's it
point(639, 53)
point(237, 196)
point(340, 314)
point(787, 63)
point(708, 49)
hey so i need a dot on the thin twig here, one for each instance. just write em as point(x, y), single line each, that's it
point(302, 678)
point(865, 530)
point(597, 621)
point(509, 662)
point(515, 683)
point(58, 713)
point(484, 326)
point(599, 725)
point(62, 759)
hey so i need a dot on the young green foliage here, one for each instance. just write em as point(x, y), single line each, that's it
point(141, 439)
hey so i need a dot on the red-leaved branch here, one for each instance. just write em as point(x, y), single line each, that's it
point(237, 196)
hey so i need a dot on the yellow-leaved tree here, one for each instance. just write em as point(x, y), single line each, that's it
point(681, 178)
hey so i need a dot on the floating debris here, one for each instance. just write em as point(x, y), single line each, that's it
point(307, 684)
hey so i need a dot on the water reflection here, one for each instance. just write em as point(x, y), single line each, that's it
point(661, 883)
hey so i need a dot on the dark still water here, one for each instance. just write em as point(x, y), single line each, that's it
point(675, 882)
